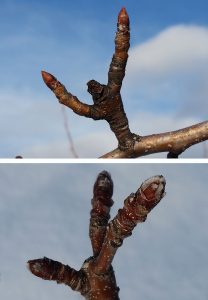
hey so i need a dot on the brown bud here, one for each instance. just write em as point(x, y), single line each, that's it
point(151, 191)
point(123, 18)
point(48, 78)
point(103, 188)
point(44, 268)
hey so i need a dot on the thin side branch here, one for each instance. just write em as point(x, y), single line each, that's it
point(49, 269)
point(65, 97)
point(68, 133)
point(174, 142)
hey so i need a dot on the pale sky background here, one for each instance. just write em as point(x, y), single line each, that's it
point(166, 82)
point(44, 211)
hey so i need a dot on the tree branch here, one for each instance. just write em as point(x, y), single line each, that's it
point(135, 210)
point(96, 279)
point(174, 142)
point(108, 106)
point(107, 100)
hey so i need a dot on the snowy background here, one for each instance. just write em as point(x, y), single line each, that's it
point(166, 83)
point(44, 211)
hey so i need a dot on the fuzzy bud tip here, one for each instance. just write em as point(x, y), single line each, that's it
point(153, 189)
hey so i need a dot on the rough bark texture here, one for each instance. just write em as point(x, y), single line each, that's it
point(96, 279)
point(107, 100)
point(174, 142)
point(108, 106)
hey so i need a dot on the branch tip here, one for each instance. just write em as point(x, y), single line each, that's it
point(123, 17)
point(103, 188)
point(153, 189)
point(48, 78)
point(34, 266)
point(104, 180)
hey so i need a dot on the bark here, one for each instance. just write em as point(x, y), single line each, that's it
point(96, 279)
point(107, 99)
point(174, 142)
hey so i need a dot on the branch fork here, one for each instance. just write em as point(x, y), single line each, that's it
point(96, 279)
point(107, 105)
point(107, 99)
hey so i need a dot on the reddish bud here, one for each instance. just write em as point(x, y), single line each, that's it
point(152, 191)
point(103, 188)
point(48, 78)
point(123, 18)
point(44, 268)
point(36, 266)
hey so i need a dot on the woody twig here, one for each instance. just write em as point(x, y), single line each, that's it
point(96, 279)
point(107, 100)
point(108, 106)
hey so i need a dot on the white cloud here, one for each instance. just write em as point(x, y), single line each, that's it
point(176, 49)
point(170, 72)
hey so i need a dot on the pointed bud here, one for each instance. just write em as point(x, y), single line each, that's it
point(152, 191)
point(48, 78)
point(35, 266)
point(123, 18)
point(44, 268)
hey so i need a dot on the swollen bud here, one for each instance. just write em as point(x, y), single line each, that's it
point(43, 267)
point(49, 79)
point(123, 18)
point(103, 185)
point(152, 191)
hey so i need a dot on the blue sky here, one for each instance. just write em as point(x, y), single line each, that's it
point(44, 211)
point(166, 78)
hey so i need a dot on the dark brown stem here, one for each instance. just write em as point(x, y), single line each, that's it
point(100, 213)
point(135, 210)
point(49, 269)
point(118, 65)
point(107, 100)
point(96, 279)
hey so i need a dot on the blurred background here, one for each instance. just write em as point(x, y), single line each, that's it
point(44, 211)
point(166, 81)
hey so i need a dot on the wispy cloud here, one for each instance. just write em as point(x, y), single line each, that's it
point(180, 48)
point(170, 70)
